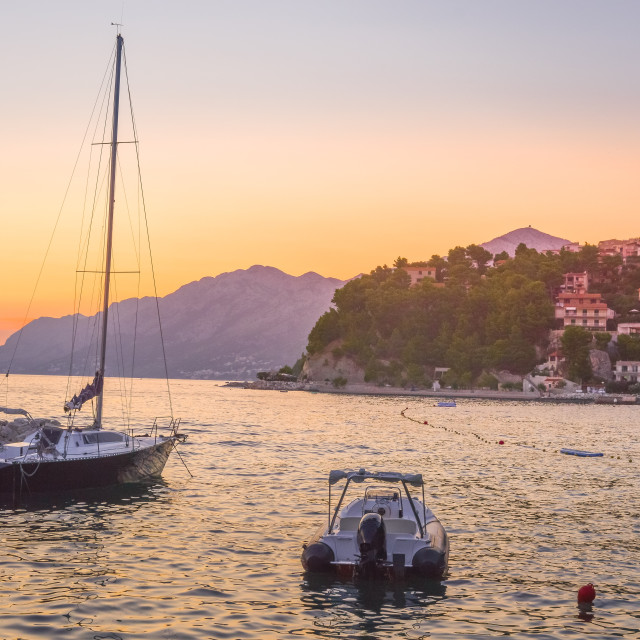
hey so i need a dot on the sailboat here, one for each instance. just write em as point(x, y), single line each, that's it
point(53, 456)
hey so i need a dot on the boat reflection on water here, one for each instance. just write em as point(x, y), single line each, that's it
point(340, 601)
point(110, 498)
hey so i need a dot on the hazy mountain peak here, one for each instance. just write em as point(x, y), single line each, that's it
point(530, 237)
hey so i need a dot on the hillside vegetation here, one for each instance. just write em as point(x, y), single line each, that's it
point(472, 319)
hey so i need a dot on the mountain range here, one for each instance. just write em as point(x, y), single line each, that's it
point(226, 327)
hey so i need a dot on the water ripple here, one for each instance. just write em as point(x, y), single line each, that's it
point(217, 555)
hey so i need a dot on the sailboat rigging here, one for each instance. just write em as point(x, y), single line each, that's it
point(53, 457)
point(112, 188)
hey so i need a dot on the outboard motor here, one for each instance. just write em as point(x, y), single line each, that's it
point(372, 542)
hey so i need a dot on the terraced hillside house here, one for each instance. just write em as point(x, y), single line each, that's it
point(417, 274)
point(586, 310)
point(628, 370)
point(625, 248)
point(629, 328)
point(576, 283)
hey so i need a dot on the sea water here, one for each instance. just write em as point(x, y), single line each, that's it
point(216, 554)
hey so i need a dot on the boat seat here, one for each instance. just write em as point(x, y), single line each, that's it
point(344, 547)
point(349, 523)
point(400, 525)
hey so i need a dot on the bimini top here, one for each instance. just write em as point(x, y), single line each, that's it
point(414, 479)
point(14, 411)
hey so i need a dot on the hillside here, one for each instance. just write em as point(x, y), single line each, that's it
point(227, 327)
point(472, 319)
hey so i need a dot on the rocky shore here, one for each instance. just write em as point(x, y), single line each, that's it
point(443, 395)
point(16, 430)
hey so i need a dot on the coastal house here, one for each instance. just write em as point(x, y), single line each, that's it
point(554, 362)
point(628, 370)
point(624, 248)
point(576, 282)
point(629, 328)
point(553, 382)
point(417, 274)
point(572, 247)
point(586, 310)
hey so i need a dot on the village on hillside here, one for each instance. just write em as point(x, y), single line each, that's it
point(531, 322)
point(577, 306)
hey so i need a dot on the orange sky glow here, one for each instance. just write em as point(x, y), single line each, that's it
point(331, 137)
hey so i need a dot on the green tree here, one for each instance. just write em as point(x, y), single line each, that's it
point(296, 370)
point(480, 256)
point(326, 330)
point(487, 380)
point(415, 374)
point(575, 346)
point(471, 324)
point(439, 264)
point(629, 347)
point(602, 340)
point(523, 250)
point(458, 255)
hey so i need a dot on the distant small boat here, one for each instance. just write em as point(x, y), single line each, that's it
point(446, 404)
point(582, 454)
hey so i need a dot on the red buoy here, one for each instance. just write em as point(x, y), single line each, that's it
point(586, 593)
point(426, 422)
point(501, 442)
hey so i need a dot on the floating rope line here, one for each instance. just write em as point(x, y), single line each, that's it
point(499, 442)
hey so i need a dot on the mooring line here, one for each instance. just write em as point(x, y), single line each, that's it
point(525, 445)
point(181, 458)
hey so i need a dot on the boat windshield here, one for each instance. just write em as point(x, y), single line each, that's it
point(378, 494)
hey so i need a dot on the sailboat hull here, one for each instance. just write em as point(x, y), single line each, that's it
point(47, 475)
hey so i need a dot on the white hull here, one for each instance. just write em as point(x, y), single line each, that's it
point(404, 537)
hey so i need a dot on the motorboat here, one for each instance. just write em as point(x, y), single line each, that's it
point(386, 532)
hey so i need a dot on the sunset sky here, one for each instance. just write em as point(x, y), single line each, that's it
point(327, 136)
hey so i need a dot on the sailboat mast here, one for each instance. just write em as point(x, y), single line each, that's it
point(112, 189)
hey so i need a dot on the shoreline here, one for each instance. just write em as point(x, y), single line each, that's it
point(443, 395)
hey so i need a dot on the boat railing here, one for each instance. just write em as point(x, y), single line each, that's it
point(174, 423)
point(332, 517)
